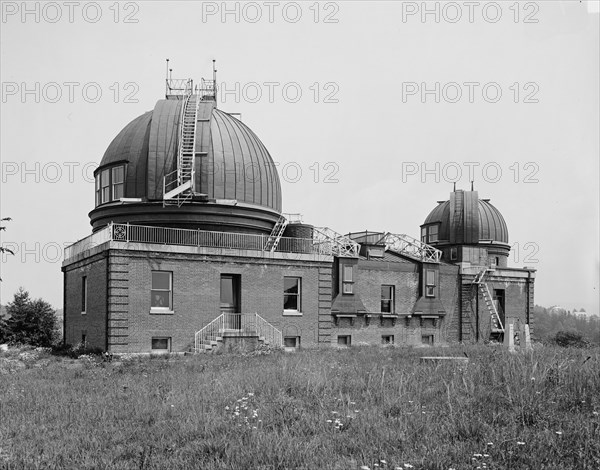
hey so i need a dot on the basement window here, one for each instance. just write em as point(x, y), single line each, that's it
point(161, 295)
point(387, 339)
point(291, 342)
point(344, 340)
point(161, 344)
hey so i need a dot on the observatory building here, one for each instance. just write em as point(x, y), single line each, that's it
point(190, 251)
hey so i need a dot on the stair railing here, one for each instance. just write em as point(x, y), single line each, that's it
point(268, 332)
point(209, 333)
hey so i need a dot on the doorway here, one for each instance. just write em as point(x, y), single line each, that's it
point(499, 300)
point(230, 300)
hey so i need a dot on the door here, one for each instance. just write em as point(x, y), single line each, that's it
point(499, 302)
point(230, 300)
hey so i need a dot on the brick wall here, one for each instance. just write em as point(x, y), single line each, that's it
point(196, 297)
point(93, 322)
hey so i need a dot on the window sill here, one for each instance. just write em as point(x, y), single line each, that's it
point(84, 313)
point(156, 311)
point(292, 313)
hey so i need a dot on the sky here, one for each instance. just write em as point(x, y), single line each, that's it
point(370, 110)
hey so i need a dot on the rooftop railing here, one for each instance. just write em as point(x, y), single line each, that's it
point(186, 237)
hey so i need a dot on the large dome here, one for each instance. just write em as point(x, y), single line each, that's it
point(233, 171)
point(466, 219)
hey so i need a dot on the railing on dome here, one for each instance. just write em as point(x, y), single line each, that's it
point(128, 233)
point(178, 88)
point(411, 247)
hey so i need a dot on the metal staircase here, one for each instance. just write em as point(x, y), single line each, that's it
point(178, 186)
point(496, 323)
point(276, 234)
point(411, 247)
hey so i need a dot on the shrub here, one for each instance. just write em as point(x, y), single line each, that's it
point(570, 339)
point(30, 321)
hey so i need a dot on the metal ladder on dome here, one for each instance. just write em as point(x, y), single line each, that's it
point(458, 217)
point(496, 323)
point(276, 234)
point(178, 186)
point(411, 247)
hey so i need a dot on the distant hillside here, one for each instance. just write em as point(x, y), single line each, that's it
point(549, 321)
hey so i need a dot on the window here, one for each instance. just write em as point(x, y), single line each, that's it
point(433, 233)
point(118, 175)
point(345, 340)
point(291, 342)
point(98, 194)
point(424, 234)
point(84, 294)
point(105, 186)
point(161, 294)
point(387, 339)
point(387, 299)
point(453, 254)
point(162, 344)
point(291, 294)
point(84, 339)
point(110, 184)
point(427, 339)
point(348, 280)
point(430, 283)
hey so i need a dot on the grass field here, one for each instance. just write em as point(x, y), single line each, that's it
point(328, 409)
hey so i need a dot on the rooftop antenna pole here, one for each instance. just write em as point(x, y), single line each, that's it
point(215, 80)
point(471, 185)
point(454, 186)
point(167, 78)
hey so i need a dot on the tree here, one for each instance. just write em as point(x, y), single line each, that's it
point(30, 321)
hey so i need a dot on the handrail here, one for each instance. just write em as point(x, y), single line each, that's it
point(251, 324)
point(188, 237)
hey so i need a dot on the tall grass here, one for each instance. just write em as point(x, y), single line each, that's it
point(326, 409)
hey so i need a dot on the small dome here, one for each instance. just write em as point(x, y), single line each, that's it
point(467, 227)
point(231, 163)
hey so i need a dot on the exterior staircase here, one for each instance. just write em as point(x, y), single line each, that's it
point(497, 328)
point(236, 325)
point(276, 234)
point(178, 186)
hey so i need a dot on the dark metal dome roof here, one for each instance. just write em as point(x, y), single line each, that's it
point(236, 166)
point(488, 224)
point(231, 164)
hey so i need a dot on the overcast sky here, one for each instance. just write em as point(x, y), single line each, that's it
point(370, 109)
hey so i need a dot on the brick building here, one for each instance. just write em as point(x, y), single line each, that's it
point(189, 250)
